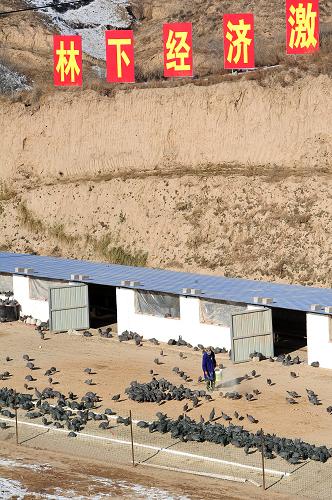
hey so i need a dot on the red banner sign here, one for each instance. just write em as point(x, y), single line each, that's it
point(239, 44)
point(120, 56)
point(178, 59)
point(302, 26)
point(67, 55)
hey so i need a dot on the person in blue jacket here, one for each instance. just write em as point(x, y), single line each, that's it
point(208, 366)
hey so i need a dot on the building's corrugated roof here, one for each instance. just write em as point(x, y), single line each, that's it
point(295, 297)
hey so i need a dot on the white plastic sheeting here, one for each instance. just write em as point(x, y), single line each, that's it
point(6, 282)
point(38, 288)
point(218, 313)
point(163, 305)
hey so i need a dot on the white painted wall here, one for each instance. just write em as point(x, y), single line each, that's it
point(38, 309)
point(163, 329)
point(319, 345)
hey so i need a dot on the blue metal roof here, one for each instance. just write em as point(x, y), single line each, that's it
point(296, 297)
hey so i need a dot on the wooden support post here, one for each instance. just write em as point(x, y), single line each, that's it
point(132, 438)
point(16, 426)
point(263, 461)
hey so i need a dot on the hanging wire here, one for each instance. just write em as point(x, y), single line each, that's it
point(46, 6)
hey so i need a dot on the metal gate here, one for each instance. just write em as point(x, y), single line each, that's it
point(69, 307)
point(251, 332)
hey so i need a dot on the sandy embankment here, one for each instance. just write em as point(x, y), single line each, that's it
point(82, 134)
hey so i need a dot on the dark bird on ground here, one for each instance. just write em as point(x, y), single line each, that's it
point(156, 361)
point(26, 386)
point(116, 397)
point(236, 415)
point(151, 372)
point(29, 378)
point(72, 434)
point(50, 380)
point(293, 394)
point(202, 420)
point(8, 358)
point(161, 353)
point(315, 364)
point(200, 379)
point(212, 414)
point(293, 375)
point(25, 357)
point(103, 425)
point(88, 382)
point(329, 409)
point(225, 416)
point(291, 401)
point(221, 366)
point(185, 408)
point(249, 397)
point(195, 402)
point(252, 419)
point(142, 424)
point(87, 370)
point(256, 392)
point(181, 354)
point(38, 394)
point(269, 381)
point(253, 373)
point(30, 365)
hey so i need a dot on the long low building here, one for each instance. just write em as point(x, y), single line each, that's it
point(243, 316)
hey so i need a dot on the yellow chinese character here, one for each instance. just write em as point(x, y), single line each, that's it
point(120, 54)
point(303, 21)
point(177, 49)
point(240, 43)
point(67, 61)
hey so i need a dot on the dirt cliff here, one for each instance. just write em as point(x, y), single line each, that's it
point(191, 128)
point(232, 178)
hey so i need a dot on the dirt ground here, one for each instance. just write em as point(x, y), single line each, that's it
point(43, 473)
point(116, 364)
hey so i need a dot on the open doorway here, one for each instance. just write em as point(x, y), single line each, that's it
point(289, 330)
point(102, 305)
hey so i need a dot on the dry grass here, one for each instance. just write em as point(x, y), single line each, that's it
point(6, 193)
point(106, 248)
point(29, 221)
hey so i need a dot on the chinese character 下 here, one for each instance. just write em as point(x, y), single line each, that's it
point(121, 55)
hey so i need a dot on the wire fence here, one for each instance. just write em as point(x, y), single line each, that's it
point(130, 439)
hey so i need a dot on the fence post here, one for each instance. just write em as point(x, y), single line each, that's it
point(16, 426)
point(263, 462)
point(132, 438)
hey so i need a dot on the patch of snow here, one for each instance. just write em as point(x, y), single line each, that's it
point(90, 21)
point(4, 462)
point(11, 489)
point(11, 82)
point(138, 491)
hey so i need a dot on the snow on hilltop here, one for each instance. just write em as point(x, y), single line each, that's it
point(10, 81)
point(90, 18)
